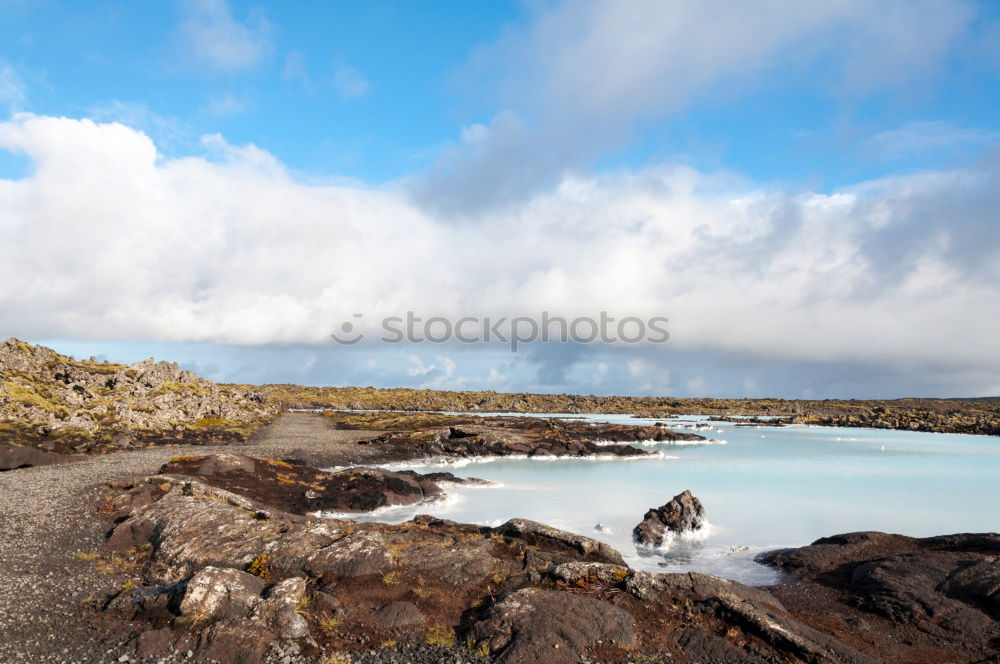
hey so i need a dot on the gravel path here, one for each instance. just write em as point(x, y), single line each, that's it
point(47, 516)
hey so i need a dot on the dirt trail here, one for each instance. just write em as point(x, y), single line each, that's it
point(47, 515)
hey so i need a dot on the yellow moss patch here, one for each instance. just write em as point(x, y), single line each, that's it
point(186, 459)
point(87, 557)
point(620, 574)
point(210, 423)
point(28, 396)
point(261, 567)
point(441, 635)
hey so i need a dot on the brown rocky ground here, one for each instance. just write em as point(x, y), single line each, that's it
point(229, 577)
point(48, 587)
point(933, 599)
point(195, 558)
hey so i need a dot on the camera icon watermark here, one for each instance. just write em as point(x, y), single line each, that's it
point(514, 331)
point(349, 332)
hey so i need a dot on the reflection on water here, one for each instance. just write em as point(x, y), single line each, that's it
point(766, 488)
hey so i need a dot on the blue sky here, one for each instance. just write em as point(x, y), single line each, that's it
point(808, 192)
point(397, 101)
point(407, 85)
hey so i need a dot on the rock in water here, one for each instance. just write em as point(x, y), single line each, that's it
point(682, 514)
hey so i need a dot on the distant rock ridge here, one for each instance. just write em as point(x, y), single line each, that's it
point(78, 405)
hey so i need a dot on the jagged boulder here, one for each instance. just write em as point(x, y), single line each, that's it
point(684, 513)
point(220, 593)
point(279, 610)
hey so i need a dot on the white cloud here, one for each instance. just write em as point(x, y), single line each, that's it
point(13, 92)
point(210, 34)
point(109, 239)
point(583, 77)
point(349, 83)
point(432, 375)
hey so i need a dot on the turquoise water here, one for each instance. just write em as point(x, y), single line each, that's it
point(764, 488)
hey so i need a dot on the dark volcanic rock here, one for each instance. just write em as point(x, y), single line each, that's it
point(230, 577)
point(580, 547)
point(533, 625)
point(398, 614)
point(683, 513)
point(530, 437)
point(947, 587)
point(828, 553)
point(301, 490)
point(12, 457)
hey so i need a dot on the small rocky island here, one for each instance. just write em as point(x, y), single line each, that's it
point(682, 514)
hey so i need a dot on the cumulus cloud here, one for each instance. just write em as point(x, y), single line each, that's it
point(211, 35)
point(582, 77)
point(109, 239)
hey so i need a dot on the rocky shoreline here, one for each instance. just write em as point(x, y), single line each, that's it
point(230, 578)
point(212, 556)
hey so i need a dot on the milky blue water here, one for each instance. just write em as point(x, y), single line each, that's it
point(764, 488)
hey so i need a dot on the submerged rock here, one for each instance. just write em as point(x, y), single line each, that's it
point(684, 513)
